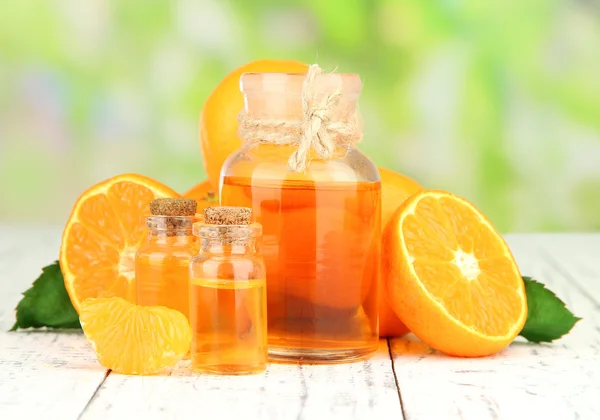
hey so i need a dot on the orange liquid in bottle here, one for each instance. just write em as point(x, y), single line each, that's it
point(162, 276)
point(321, 244)
point(228, 319)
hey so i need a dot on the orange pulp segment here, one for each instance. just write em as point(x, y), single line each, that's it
point(135, 340)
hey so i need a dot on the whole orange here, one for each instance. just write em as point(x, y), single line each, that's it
point(205, 195)
point(219, 116)
point(395, 189)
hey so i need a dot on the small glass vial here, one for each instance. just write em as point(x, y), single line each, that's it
point(228, 306)
point(162, 262)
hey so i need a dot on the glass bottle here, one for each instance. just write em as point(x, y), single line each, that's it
point(162, 262)
point(320, 208)
point(228, 295)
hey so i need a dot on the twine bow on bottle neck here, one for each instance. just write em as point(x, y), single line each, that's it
point(317, 130)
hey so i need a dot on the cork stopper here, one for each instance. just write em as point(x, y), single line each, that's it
point(227, 215)
point(227, 225)
point(171, 216)
point(173, 207)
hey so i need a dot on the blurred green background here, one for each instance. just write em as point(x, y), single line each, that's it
point(497, 101)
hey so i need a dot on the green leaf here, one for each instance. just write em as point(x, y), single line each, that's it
point(547, 319)
point(47, 303)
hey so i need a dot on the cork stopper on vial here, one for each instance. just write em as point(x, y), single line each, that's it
point(227, 225)
point(227, 215)
point(173, 207)
point(173, 216)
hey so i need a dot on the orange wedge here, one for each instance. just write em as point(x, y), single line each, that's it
point(451, 277)
point(135, 340)
point(102, 235)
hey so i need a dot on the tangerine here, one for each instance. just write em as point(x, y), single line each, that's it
point(205, 195)
point(219, 116)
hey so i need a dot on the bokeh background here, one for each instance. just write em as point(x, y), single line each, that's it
point(497, 100)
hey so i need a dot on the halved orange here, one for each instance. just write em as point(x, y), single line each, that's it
point(103, 234)
point(132, 339)
point(451, 277)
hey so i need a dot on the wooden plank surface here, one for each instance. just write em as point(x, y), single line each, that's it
point(63, 376)
point(55, 375)
point(364, 390)
point(577, 258)
point(43, 375)
point(46, 375)
point(550, 381)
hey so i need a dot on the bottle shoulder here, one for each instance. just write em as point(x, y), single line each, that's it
point(234, 266)
point(253, 258)
point(184, 248)
point(270, 162)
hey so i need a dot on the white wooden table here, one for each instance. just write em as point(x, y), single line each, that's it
point(45, 375)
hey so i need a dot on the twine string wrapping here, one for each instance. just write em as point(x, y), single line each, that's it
point(318, 129)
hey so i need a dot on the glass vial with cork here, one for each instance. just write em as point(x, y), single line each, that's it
point(228, 295)
point(318, 198)
point(162, 262)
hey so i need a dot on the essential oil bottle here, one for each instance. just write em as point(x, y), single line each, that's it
point(228, 295)
point(162, 262)
point(318, 199)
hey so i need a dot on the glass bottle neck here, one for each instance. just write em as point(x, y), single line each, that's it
point(227, 239)
point(215, 246)
point(170, 229)
point(283, 95)
point(170, 236)
point(290, 107)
